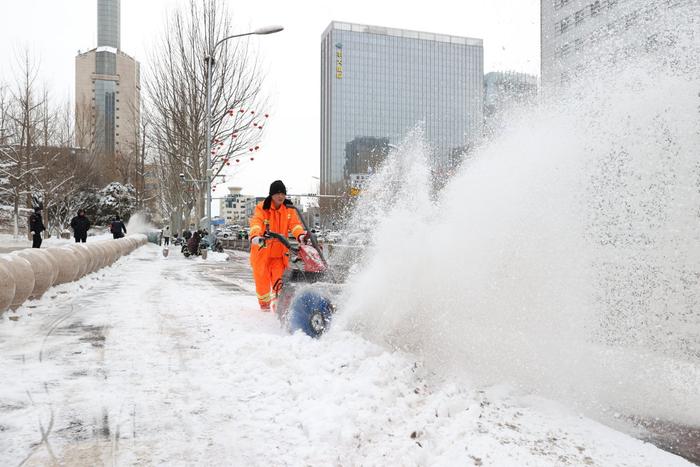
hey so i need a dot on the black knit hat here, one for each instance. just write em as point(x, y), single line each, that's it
point(277, 187)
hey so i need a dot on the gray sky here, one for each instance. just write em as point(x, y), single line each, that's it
point(54, 31)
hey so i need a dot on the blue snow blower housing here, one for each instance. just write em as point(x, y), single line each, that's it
point(310, 312)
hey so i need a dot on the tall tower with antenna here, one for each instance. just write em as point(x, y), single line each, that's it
point(108, 96)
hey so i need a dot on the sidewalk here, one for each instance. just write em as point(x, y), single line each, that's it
point(168, 361)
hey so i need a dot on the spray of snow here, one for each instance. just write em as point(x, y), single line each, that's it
point(563, 258)
point(138, 224)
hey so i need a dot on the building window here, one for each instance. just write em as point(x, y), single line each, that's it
point(652, 43)
point(565, 49)
point(565, 24)
point(578, 17)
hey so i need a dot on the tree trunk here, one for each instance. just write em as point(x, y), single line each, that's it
point(16, 215)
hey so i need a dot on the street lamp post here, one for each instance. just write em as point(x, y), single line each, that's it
point(210, 66)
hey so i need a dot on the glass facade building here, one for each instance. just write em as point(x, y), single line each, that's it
point(108, 27)
point(108, 23)
point(377, 84)
point(581, 37)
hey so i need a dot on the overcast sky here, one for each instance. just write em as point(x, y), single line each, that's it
point(54, 31)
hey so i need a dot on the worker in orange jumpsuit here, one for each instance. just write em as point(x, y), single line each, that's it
point(269, 257)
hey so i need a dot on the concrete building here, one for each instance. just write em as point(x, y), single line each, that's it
point(578, 36)
point(235, 208)
point(107, 92)
point(379, 83)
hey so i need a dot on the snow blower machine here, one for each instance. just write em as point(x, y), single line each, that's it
point(307, 288)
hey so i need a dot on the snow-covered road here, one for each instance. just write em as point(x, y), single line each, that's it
point(167, 361)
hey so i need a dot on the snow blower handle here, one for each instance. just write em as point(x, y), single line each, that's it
point(312, 236)
point(278, 237)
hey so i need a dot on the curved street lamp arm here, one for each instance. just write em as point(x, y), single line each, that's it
point(227, 38)
point(260, 31)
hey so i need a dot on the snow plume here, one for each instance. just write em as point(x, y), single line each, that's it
point(138, 224)
point(563, 259)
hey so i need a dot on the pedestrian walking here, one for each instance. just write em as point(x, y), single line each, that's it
point(166, 235)
point(80, 225)
point(117, 228)
point(36, 227)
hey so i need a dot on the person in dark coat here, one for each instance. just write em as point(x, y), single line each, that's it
point(193, 243)
point(36, 227)
point(80, 225)
point(117, 228)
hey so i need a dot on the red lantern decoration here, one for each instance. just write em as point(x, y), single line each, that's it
point(252, 158)
point(230, 112)
point(260, 127)
point(252, 112)
point(238, 160)
point(251, 149)
point(255, 124)
point(257, 147)
point(234, 135)
point(267, 115)
point(242, 111)
point(228, 163)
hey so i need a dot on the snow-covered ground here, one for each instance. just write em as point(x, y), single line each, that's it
point(167, 361)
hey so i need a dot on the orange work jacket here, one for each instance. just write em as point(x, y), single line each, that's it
point(282, 220)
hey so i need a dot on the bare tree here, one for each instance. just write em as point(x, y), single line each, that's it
point(176, 92)
point(37, 164)
point(22, 119)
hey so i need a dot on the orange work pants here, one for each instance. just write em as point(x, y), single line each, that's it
point(266, 275)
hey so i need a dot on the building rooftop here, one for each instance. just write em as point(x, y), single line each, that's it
point(384, 31)
point(103, 49)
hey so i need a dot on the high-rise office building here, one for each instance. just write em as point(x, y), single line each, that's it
point(378, 83)
point(107, 91)
point(578, 35)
